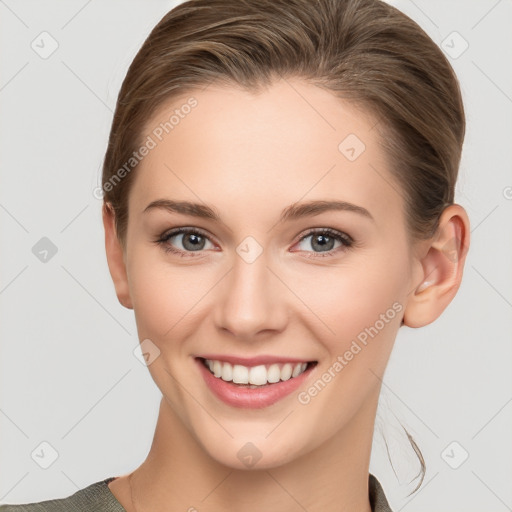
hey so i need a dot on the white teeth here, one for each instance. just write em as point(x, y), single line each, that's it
point(258, 375)
point(255, 375)
point(297, 369)
point(240, 374)
point(217, 368)
point(286, 371)
point(227, 372)
point(274, 373)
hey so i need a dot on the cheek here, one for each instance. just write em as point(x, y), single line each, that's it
point(361, 304)
point(165, 297)
point(350, 299)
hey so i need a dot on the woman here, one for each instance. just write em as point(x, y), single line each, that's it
point(278, 202)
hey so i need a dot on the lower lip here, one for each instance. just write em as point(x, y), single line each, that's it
point(251, 398)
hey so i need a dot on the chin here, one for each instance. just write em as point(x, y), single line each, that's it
point(254, 452)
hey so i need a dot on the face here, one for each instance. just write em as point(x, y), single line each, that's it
point(295, 258)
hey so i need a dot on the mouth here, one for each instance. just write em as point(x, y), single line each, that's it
point(255, 376)
point(256, 385)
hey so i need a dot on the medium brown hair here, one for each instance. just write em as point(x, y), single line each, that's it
point(365, 51)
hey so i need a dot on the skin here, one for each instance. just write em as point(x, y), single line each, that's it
point(250, 156)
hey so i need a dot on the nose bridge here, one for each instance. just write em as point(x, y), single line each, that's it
point(252, 300)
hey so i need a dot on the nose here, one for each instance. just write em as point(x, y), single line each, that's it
point(252, 301)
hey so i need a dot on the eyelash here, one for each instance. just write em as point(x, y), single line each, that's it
point(346, 241)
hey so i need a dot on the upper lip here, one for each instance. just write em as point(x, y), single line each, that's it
point(253, 361)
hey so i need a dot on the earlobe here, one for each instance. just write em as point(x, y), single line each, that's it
point(442, 265)
point(115, 257)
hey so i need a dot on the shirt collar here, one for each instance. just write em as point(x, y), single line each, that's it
point(378, 501)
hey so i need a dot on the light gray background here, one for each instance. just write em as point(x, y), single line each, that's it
point(68, 374)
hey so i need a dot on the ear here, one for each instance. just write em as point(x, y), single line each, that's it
point(441, 267)
point(115, 257)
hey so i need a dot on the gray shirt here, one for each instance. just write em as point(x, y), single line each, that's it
point(97, 497)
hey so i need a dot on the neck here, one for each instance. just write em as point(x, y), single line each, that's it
point(178, 474)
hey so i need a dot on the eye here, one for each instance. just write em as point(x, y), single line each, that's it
point(326, 240)
point(184, 241)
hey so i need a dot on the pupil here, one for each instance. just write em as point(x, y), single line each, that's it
point(193, 242)
point(324, 243)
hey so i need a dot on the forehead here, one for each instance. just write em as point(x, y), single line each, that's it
point(240, 150)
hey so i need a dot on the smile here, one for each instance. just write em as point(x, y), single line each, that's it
point(254, 376)
point(258, 383)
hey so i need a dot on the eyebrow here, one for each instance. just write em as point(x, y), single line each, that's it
point(292, 212)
